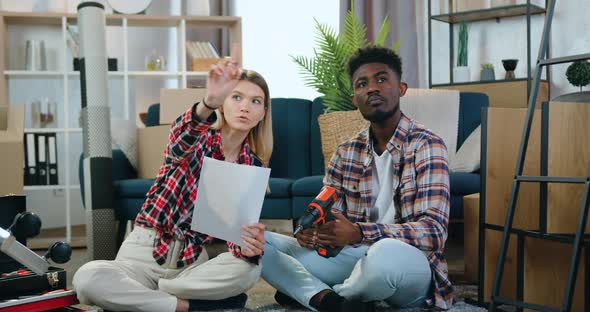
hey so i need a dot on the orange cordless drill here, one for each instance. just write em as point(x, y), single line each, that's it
point(319, 211)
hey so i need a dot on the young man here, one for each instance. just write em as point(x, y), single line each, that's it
point(392, 211)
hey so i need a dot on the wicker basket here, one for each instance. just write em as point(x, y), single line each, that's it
point(203, 64)
point(338, 127)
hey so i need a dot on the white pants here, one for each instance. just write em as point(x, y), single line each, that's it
point(135, 282)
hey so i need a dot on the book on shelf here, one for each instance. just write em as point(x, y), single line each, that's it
point(201, 49)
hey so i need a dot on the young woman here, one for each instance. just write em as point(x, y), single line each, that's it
point(162, 265)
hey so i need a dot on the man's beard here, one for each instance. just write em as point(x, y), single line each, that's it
point(379, 116)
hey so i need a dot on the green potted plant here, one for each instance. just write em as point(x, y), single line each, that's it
point(487, 72)
point(461, 71)
point(326, 71)
point(578, 74)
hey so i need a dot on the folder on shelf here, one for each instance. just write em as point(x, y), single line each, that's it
point(41, 158)
point(30, 159)
point(52, 158)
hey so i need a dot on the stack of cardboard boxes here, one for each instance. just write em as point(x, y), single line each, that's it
point(12, 150)
point(151, 141)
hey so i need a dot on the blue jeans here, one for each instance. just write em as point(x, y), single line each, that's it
point(388, 270)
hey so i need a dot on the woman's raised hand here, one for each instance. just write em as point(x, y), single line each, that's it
point(222, 78)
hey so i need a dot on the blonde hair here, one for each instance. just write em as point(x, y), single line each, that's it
point(260, 136)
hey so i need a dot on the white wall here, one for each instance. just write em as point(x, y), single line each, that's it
point(491, 41)
point(273, 30)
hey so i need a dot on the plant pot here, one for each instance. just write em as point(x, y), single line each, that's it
point(487, 75)
point(580, 97)
point(461, 74)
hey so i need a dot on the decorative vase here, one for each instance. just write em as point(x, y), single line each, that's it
point(461, 74)
point(197, 7)
point(487, 75)
point(509, 66)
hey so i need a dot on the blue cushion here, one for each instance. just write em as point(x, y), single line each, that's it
point(463, 183)
point(317, 157)
point(127, 208)
point(291, 132)
point(308, 186)
point(470, 107)
point(279, 188)
point(122, 169)
point(134, 188)
point(276, 208)
point(153, 115)
point(299, 203)
point(456, 207)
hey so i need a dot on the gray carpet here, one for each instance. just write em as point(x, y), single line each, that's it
point(457, 307)
point(257, 303)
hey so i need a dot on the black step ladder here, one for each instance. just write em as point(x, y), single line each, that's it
point(578, 238)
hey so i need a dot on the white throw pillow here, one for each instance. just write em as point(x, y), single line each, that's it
point(468, 156)
point(124, 137)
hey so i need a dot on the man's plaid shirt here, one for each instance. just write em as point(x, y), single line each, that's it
point(169, 203)
point(421, 171)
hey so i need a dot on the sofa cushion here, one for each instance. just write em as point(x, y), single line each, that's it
point(127, 208)
point(456, 212)
point(276, 208)
point(317, 157)
point(463, 183)
point(291, 135)
point(133, 188)
point(470, 107)
point(153, 115)
point(308, 186)
point(299, 204)
point(468, 157)
point(279, 188)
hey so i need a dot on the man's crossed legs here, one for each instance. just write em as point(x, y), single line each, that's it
point(388, 270)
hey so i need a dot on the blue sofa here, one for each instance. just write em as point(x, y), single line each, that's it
point(297, 162)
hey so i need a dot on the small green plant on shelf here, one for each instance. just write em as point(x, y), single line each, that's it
point(463, 41)
point(578, 74)
point(487, 66)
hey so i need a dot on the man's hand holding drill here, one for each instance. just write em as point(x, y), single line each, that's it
point(340, 232)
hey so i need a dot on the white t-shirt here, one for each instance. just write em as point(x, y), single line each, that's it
point(383, 191)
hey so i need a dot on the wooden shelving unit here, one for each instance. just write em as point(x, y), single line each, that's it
point(526, 10)
point(487, 14)
point(67, 129)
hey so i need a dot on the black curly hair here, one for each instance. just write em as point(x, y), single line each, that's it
point(374, 54)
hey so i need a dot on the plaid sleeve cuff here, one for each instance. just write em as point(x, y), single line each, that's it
point(371, 232)
point(191, 118)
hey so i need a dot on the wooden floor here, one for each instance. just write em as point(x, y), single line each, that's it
point(49, 236)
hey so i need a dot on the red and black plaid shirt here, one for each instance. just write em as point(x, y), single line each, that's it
point(169, 203)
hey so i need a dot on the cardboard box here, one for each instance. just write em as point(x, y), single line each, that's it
point(203, 64)
point(174, 102)
point(151, 142)
point(12, 120)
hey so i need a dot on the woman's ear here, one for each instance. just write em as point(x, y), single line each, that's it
point(263, 115)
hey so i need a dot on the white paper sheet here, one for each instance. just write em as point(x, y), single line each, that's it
point(229, 196)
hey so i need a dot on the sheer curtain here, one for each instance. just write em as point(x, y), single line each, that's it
point(407, 20)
